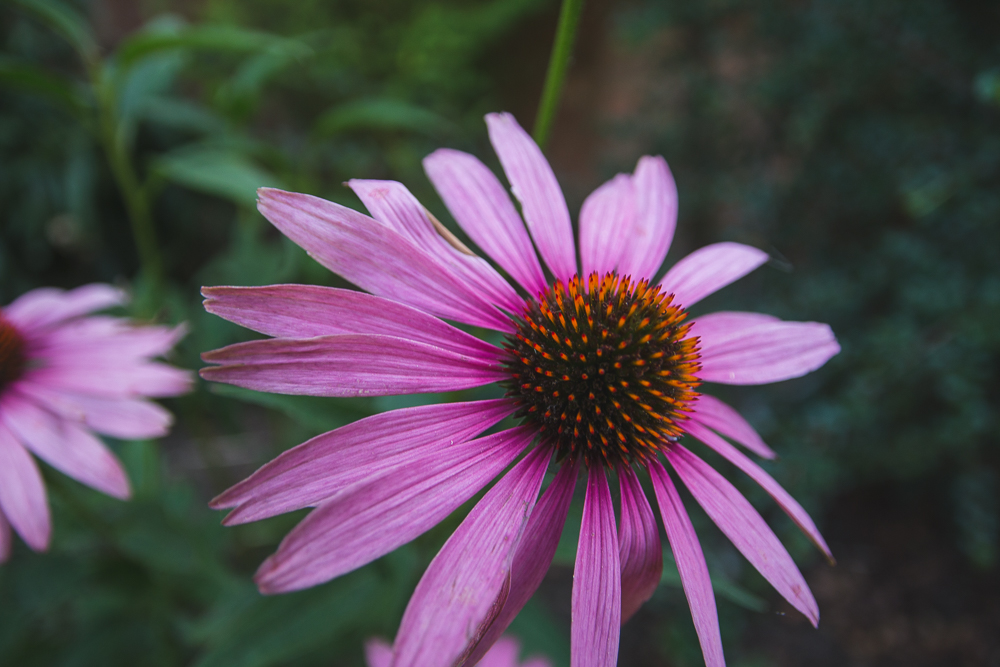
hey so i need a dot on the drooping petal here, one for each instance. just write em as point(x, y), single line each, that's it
point(306, 475)
point(597, 595)
point(719, 416)
point(47, 306)
point(639, 545)
point(466, 584)
point(306, 311)
point(482, 207)
point(738, 349)
point(66, 446)
point(370, 519)
point(745, 528)
point(391, 203)
point(647, 243)
point(22, 492)
point(690, 564)
point(759, 475)
point(376, 258)
point(535, 186)
point(6, 539)
point(606, 220)
point(348, 365)
point(709, 269)
point(378, 653)
point(534, 554)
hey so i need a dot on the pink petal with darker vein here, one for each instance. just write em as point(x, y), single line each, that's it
point(690, 564)
point(597, 596)
point(745, 529)
point(370, 519)
point(306, 311)
point(639, 545)
point(746, 348)
point(45, 307)
point(308, 474)
point(606, 220)
point(22, 492)
point(376, 258)
point(466, 584)
point(535, 186)
point(715, 414)
point(348, 365)
point(709, 269)
point(646, 244)
point(759, 475)
point(534, 554)
point(482, 207)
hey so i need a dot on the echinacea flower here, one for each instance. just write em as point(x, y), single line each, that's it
point(63, 378)
point(503, 654)
point(604, 373)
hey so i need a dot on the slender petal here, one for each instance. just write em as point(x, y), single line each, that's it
point(745, 529)
point(126, 380)
point(535, 186)
point(360, 249)
point(306, 311)
point(534, 554)
point(44, 307)
point(709, 269)
point(466, 584)
point(746, 350)
point(639, 545)
point(110, 341)
point(306, 475)
point(481, 206)
point(347, 365)
point(6, 539)
point(715, 414)
point(378, 653)
point(391, 203)
point(597, 596)
point(22, 492)
point(372, 518)
point(759, 475)
point(690, 564)
point(647, 244)
point(606, 219)
point(66, 446)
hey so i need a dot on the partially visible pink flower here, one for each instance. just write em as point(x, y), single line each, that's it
point(601, 366)
point(63, 377)
point(503, 654)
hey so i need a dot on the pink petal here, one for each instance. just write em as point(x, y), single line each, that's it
point(759, 475)
point(709, 269)
point(534, 554)
point(606, 220)
point(639, 545)
point(6, 539)
point(66, 446)
point(348, 365)
point(745, 529)
point(738, 349)
point(113, 381)
point(466, 584)
point(647, 243)
point(376, 258)
point(378, 653)
point(503, 654)
point(22, 492)
point(105, 340)
point(481, 206)
point(690, 564)
point(368, 520)
point(715, 414)
point(597, 596)
point(391, 203)
point(43, 307)
point(535, 186)
point(306, 311)
point(306, 475)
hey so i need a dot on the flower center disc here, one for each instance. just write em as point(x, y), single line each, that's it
point(12, 358)
point(606, 372)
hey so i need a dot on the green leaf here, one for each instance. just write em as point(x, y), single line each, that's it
point(216, 171)
point(31, 79)
point(380, 114)
point(318, 413)
point(224, 38)
point(67, 23)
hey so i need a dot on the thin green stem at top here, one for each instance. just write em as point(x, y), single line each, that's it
point(569, 21)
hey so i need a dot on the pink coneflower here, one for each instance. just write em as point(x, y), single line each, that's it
point(64, 377)
point(504, 653)
point(603, 373)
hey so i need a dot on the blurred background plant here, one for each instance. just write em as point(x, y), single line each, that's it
point(859, 143)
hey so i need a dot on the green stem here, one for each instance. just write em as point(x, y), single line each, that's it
point(569, 21)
